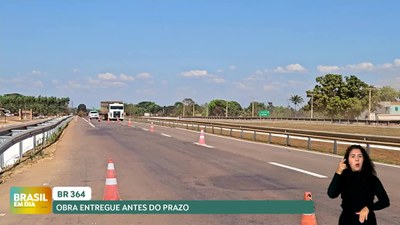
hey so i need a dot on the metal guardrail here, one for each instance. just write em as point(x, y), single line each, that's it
point(17, 140)
point(309, 135)
point(337, 121)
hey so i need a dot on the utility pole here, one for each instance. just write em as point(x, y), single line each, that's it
point(369, 103)
point(193, 109)
point(310, 93)
point(183, 110)
point(312, 105)
point(226, 110)
point(252, 108)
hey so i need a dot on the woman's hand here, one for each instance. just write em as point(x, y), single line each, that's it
point(342, 166)
point(363, 214)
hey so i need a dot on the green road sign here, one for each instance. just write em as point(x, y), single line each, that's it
point(264, 113)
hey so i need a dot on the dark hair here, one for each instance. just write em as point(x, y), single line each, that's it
point(368, 166)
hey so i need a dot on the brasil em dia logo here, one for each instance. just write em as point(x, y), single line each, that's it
point(30, 200)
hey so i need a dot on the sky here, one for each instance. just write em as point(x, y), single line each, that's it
point(167, 50)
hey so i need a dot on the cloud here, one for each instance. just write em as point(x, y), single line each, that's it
point(107, 76)
point(196, 73)
point(218, 80)
point(257, 75)
point(397, 62)
point(75, 70)
point(204, 75)
point(126, 77)
point(35, 72)
point(242, 86)
point(232, 67)
point(291, 68)
point(38, 84)
point(271, 86)
point(327, 69)
point(365, 66)
point(144, 76)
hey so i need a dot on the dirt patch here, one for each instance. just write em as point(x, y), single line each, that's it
point(11, 120)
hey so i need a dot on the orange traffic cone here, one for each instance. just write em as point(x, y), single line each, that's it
point(202, 140)
point(111, 187)
point(108, 119)
point(308, 219)
point(151, 127)
point(117, 119)
point(129, 122)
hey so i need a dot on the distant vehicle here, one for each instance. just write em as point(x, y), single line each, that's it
point(112, 110)
point(94, 115)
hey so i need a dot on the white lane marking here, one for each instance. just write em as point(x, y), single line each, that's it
point(88, 122)
point(145, 129)
point(208, 146)
point(298, 170)
point(166, 135)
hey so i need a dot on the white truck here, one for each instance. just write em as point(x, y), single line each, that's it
point(112, 110)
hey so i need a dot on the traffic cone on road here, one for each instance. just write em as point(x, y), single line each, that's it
point(129, 122)
point(202, 140)
point(308, 219)
point(151, 127)
point(111, 186)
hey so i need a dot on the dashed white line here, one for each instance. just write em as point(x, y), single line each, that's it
point(166, 135)
point(298, 170)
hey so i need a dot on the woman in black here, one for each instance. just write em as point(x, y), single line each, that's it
point(355, 179)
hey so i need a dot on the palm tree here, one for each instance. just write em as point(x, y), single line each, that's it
point(296, 99)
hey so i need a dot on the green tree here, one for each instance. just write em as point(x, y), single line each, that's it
point(82, 110)
point(296, 99)
point(187, 106)
point(257, 107)
point(338, 97)
point(217, 107)
point(147, 107)
point(388, 94)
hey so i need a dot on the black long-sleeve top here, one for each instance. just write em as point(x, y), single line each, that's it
point(358, 191)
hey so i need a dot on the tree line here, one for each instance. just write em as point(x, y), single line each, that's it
point(334, 96)
point(40, 105)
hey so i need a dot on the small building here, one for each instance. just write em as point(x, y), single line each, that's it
point(391, 111)
point(394, 108)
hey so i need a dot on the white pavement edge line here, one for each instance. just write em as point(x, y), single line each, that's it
point(208, 146)
point(298, 170)
point(166, 135)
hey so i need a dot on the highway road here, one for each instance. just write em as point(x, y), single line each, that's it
point(167, 165)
